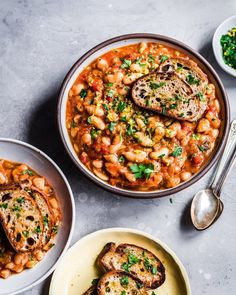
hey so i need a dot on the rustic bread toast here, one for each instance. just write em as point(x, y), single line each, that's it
point(21, 219)
point(139, 262)
point(118, 282)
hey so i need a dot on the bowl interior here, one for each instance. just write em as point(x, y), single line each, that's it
point(223, 28)
point(20, 152)
point(98, 51)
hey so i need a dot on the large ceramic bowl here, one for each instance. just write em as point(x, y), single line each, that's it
point(120, 41)
point(17, 151)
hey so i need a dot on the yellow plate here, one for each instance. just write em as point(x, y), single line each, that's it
point(77, 269)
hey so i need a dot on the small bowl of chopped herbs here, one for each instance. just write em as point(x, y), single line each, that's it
point(224, 45)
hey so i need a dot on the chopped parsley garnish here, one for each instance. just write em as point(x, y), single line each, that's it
point(201, 96)
point(73, 124)
point(163, 58)
point(156, 85)
point(139, 285)
point(151, 58)
point(142, 170)
point(123, 119)
point(124, 281)
point(89, 120)
point(153, 293)
point(154, 270)
point(4, 205)
point(16, 208)
point(105, 107)
point(162, 156)
point(25, 233)
point(177, 151)
point(130, 130)
point(94, 133)
point(179, 67)
point(133, 259)
point(125, 266)
point(38, 229)
point(45, 220)
point(181, 115)
point(83, 93)
point(126, 63)
point(121, 106)
point(121, 159)
point(147, 264)
point(123, 292)
point(173, 106)
point(20, 200)
point(55, 229)
point(29, 172)
point(228, 43)
point(111, 126)
point(163, 110)
point(192, 80)
point(109, 84)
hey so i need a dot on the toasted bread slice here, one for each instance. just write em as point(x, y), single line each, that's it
point(139, 262)
point(188, 71)
point(118, 282)
point(21, 219)
point(169, 95)
point(48, 220)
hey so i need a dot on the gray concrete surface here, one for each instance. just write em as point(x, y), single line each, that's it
point(40, 40)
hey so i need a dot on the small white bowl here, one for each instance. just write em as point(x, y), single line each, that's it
point(222, 29)
point(18, 151)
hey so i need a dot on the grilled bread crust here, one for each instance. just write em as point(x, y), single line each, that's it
point(139, 262)
point(118, 282)
point(21, 219)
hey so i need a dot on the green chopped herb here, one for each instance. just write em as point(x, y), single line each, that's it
point(133, 259)
point(228, 43)
point(38, 229)
point(106, 107)
point(179, 67)
point(181, 115)
point(163, 58)
point(173, 106)
point(192, 80)
point(123, 292)
point(121, 106)
point(201, 96)
point(125, 266)
point(45, 220)
point(162, 156)
point(156, 85)
point(153, 293)
point(124, 281)
point(163, 110)
point(109, 84)
point(139, 285)
point(4, 205)
point(123, 119)
point(51, 245)
point(142, 170)
point(29, 172)
point(111, 126)
point(89, 120)
point(154, 270)
point(151, 58)
point(148, 102)
point(83, 93)
point(130, 130)
point(73, 124)
point(93, 133)
point(16, 208)
point(147, 264)
point(20, 200)
point(25, 233)
point(177, 151)
point(17, 215)
point(126, 64)
point(121, 159)
point(55, 229)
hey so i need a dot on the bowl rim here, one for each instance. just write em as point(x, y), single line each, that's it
point(133, 193)
point(219, 57)
point(67, 245)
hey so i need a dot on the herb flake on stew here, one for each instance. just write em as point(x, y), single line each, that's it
point(121, 106)
point(111, 126)
point(83, 93)
point(29, 172)
point(142, 170)
point(4, 205)
point(126, 63)
point(38, 229)
point(177, 151)
point(124, 281)
point(20, 200)
point(163, 58)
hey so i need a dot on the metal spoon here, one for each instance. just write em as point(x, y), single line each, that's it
point(206, 205)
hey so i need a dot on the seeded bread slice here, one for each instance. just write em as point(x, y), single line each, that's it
point(168, 95)
point(117, 283)
point(48, 220)
point(21, 219)
point(139, 262)
point(188, 71)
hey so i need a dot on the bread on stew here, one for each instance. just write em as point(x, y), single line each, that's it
point(21, 219)
point(132, 259)
point(118, 282)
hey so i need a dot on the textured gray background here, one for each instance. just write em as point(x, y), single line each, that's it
point(40, 40)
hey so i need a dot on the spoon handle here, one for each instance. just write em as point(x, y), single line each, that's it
point(226, 161)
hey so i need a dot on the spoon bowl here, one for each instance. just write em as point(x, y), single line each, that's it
point(204, 209)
